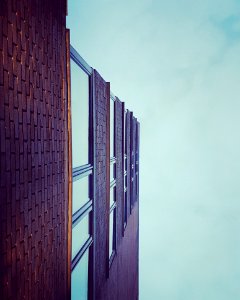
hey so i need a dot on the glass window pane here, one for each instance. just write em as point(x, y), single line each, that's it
point(80, 115)
point(125, 139)
point(136, 184)
point(111, 128)
point(112, 196)
point(111, 217)
point(80, 234)
point(80, 279)
point(80, 193)
point(112, 166)
point(125, 207)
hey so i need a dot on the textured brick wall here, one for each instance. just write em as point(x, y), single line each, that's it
point(34, 164)
point(122, 282)
point(33, 206)
point(102, 179)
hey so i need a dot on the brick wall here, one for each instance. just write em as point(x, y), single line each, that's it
point(122, 283)
point(33, 182)
point(102, 179)
point(121, 280)
point(34, 164)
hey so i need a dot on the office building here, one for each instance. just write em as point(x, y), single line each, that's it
point(69, 181)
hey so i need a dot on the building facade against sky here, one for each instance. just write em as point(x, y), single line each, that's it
point(69, 166)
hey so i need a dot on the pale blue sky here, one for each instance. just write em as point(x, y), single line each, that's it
point(176, 64)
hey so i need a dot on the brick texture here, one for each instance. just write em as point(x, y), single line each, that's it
point(120, 281)
point(33, 123)
point(102, 178)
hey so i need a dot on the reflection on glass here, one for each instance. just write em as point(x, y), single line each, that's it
point(80, 193)
point(111, 217)
point(80, 113)
point(136, 184)
point(111, 128)
point(80, 234)
point(79, 287)
point(125, 140)
point(125, 207)
point(112, 175)
point(112, 196)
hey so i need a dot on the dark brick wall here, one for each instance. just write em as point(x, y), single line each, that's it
point(102, 178)
point(33, 180)
point(120, 282)
point(34, 164)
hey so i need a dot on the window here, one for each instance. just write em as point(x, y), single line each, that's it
point(80, 278)
point(80, 115)
point(112, 205)
point(80, 191)
point(82, 176)
point(112, 118)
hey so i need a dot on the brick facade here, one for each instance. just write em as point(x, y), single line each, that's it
point(120, 280)
point(102, 179)
point(33, 211)
point(35, 156)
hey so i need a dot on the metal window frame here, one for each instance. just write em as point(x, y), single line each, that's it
point(74, 55)
point(113, 210)
point(81, 213)
point(112, 184)
point(113, 158)
point(81, 252)
point(83, 171)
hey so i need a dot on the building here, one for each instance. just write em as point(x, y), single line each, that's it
point(69, 181)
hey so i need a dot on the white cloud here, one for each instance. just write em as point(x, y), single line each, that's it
point(176, 64)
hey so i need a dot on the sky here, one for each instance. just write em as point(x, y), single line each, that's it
point(176, 64)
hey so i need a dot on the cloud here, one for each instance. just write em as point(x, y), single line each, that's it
point(176, 64)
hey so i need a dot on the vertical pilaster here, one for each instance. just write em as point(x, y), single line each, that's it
point(102, 179)
point(34, 153)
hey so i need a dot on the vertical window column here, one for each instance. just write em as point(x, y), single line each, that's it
point(82, 176)
point(112, 207)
